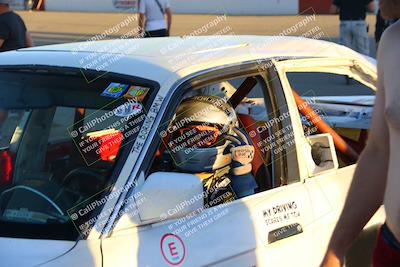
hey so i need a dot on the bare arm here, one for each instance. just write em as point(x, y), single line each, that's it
point(1, 42)
point(141, 23)
point(368, 186)
point(333, 9)
point(28, 40)
point(169, 19)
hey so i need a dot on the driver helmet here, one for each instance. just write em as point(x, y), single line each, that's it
point(197, 143)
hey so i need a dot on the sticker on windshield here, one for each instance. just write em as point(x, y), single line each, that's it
point(137, 92)
point(130, 108)
point(115, 90)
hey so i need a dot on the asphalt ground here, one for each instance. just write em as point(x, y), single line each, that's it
point(62, 27)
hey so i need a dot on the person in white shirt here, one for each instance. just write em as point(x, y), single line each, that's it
point(152, 18)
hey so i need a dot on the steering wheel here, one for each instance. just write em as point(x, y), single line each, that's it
point(74, 179)
point(340, 144)
point(35, 191)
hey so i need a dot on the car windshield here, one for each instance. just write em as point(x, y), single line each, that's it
point(61, 138)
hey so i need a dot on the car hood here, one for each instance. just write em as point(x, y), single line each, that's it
point(31, 252)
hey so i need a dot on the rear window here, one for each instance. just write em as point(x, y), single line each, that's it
point(61, 138)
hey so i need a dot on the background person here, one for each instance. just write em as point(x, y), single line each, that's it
point(380, 26)
point(13, 32)
point(353, 28)
point(152, 18)
point(376, 179)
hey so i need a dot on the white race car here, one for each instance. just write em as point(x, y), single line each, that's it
point(98, 164)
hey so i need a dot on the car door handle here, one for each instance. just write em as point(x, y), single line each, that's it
point(284, 232)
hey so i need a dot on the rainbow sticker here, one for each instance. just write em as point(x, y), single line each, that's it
point(137, 92)
point(115, 90)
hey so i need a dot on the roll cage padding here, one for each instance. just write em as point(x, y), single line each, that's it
point(340, 144)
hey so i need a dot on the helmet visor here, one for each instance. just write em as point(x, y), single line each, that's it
point(200, 136)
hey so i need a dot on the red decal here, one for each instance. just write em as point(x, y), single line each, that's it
point(172, 249)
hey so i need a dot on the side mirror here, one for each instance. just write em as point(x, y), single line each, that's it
point(169, 195)
point(323, 154)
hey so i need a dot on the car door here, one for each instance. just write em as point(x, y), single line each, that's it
point(342, 92)
point(267, 228)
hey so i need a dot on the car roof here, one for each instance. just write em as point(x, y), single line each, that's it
point(158, 58)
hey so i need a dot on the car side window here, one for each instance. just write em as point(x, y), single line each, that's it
point(340, 101)
point(326, 84)
point(221, 132)
point(58, 158)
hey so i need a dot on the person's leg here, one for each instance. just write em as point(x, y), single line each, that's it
point(346, 38)
point(361, 40)
point(345, 33)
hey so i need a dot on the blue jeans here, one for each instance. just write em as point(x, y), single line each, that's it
point(354, 34)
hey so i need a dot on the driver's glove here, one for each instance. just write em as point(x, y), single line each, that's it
point(242, 151)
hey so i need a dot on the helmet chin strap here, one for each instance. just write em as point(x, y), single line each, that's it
point(242, 136)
